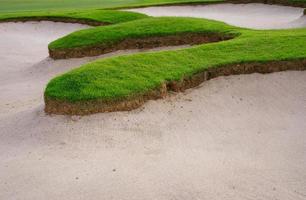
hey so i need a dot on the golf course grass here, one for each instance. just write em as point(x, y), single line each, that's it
point(91, 17)
point(104, 39)
point(80, 11)
point(90, 10)
point(126, 82)
point(104, 85)
point(56, 5)
point(11, 6)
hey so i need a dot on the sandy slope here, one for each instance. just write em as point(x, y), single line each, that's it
point(254, 15)
point(239, 137)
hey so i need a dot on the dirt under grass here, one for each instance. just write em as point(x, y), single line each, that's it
point(90, 12)
point(19, 6)
point(120, 79)
point(90, 17)
point(232, 137)
point(155, 33)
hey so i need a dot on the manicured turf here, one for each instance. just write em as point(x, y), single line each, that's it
point(126, 76)
point(85, 9)
point(105, 16)
point(164, 26)
point(79, 9)
point(56, 5)
point(11, 6)
point(301, 1)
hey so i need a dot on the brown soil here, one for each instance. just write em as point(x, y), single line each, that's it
point(53, 106)
point(97, 23)
point(141, 43)
point(275, 2)
point(272, 2)
point(55, 19)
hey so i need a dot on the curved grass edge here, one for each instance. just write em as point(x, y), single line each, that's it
point(140, 34)
point(84, 16)
point(62, 107)
point(71, 16)
point(195, 3)
point(89, 17)
point(72, 20)
point(293, 3)
point(127, 77)
point(141, 43)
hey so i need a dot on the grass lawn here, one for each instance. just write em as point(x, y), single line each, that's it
point(104, 16)
point(84, 9)
point(12, 6)
point(126, 76)
point(150, 27)
point(56, 5)
point(87, 10)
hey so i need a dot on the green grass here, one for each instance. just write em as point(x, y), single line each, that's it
point(13, 6)
point(301, 1)
point(56, 5)
point(126, 76)
point(84, 9)
point(164, 26)
point(79, 9)
point(105, 16)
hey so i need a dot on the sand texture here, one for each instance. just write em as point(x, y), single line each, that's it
point(253, 15)
point(235, 138)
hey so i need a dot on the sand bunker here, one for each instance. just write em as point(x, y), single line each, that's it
point(25, 67)
point(238, 137)
point(255, 15)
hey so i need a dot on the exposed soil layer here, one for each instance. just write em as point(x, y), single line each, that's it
point(141, 43)
point(55, 19)
point(53, 106)
point(272, 2)
point(275, 2)
point(97, 23)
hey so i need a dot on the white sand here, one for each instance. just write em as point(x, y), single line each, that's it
point(254, 15)
point(235, 138)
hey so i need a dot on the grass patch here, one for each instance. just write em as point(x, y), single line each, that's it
point(300, 1)
point(126, 76)
point(25, 7)
point(12, 10)
point(56, 5)
point(163, 26)
point(104, 16)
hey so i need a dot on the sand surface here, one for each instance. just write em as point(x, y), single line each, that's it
point(234, 138)
point(254, 15)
